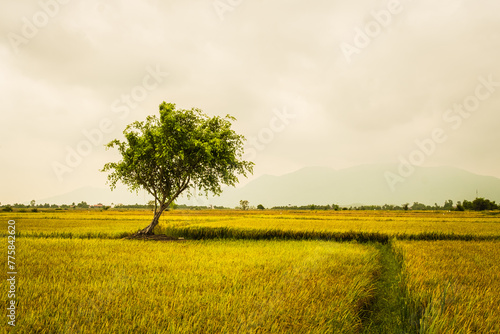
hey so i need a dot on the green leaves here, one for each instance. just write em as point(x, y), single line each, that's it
point(178, 151)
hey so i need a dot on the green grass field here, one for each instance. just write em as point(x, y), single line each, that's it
point(393, 272)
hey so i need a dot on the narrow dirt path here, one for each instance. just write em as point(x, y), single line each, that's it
point(385, 315)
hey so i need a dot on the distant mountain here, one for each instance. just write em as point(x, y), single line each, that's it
point(322, 185)
point(365, 184)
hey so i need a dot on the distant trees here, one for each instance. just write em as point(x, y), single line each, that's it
point(448, 205)
point(480, 204)
point(418, 206)
point(459, 207)
point(132, 206)
point(244, 204)
point(307, 207)
point(82, 205)
point(7, 208)
point(369, 207)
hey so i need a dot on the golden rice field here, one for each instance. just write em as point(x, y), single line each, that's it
point(77, 275)
point(454, 285)
point(393, 224)
point(117, 286)
point(390, 223)
point(78, 222)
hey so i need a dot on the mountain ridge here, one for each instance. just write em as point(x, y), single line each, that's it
point(364, 184)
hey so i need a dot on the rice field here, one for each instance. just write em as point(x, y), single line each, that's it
point(78, 223)
point(117, 286)
point(256, 272)
point(452, 286)
point(403, 225)
point(393, 224)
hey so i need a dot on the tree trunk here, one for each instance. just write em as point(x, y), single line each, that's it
point(149, 229)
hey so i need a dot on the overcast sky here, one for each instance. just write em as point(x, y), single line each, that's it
point(319, 83)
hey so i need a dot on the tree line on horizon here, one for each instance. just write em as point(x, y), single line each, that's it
point(478, 204)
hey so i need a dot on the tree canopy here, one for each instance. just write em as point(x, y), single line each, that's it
point(181, 150)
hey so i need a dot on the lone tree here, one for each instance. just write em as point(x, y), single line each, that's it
point(244, 204)
point(182, 150)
